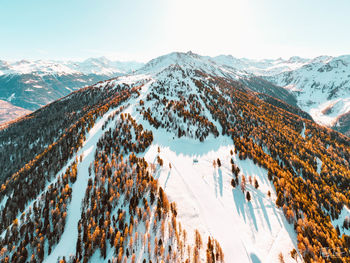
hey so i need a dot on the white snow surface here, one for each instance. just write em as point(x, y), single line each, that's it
point(337, 107)
point(191, 60)
point(253, 231)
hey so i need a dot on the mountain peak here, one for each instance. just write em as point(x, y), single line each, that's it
point(102, 60)
point(164, 61)
point(322, 59)
point(190, 60)
point(297, 59)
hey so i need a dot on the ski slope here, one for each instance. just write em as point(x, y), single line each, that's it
point(67, 243)
point(255, 231)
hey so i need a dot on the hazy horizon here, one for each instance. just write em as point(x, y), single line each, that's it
point(142, 30)
point(114, 59)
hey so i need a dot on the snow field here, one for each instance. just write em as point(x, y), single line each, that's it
point(255, 231)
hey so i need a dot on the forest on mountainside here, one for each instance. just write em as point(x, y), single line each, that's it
point(308, 164)
point(28, 181)
point(124, 209)
point(21, 141)
point(310, 195)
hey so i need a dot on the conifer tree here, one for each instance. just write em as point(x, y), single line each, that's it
point(248, 196)
point(256, 184)
point(233, 182)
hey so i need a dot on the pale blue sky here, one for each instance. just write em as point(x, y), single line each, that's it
point(143, 29)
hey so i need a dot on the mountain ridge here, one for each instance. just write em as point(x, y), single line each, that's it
point(98, 65)
point(319, 86)
point(322, 88)
point(32, 84)
point(313, 85)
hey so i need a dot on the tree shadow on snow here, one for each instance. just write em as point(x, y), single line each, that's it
point(156, 174)
point(263, 208)
point(238, 197)
point(215, 183)
point(187, 146)
point(252, 214)
point(290, 230)
point(220, 181)
point(255, 258)
point(166, 181)
point(248, 168)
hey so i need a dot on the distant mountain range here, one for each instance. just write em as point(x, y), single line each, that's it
point(33, 84)
point(322, 88)
point(319, 86)
point(98, 66)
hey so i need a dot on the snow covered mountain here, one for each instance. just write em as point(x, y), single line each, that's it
point(178, 162)
point(319, 86)
point(215, 67)
point(191, 60)
point(98, 66)
point(33, 84)
point(263, 66)
point(322, 88)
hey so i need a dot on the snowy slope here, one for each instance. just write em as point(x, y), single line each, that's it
point(67, 244)
point(339, 222)
point(322, 87)
point(247, 232)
